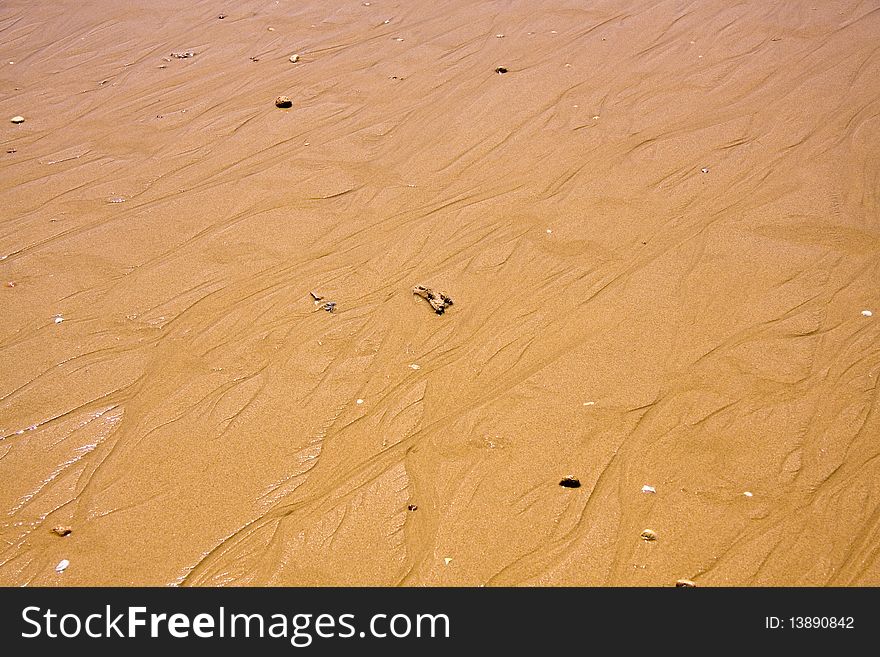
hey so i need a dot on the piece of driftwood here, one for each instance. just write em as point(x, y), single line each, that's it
point(439, 301)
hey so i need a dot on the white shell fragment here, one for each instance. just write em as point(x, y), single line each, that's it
point(867, 313)
point(62, 566)
point(648, 489)
point(414, 366)
point(748, 493)
point(447, 560)
point(58, 319)
point(294, 58)
point(359, 401)
point(17, 119)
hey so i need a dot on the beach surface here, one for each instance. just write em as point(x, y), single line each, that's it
point(659, 225)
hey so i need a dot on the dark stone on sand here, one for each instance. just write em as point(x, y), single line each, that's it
point(500, 70)
point(411, 507)
point(570, 482)
point(283, 102)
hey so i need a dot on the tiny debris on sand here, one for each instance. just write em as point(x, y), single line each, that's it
point(184, 55)
point(867, 313)
point(439, 301)
point(685, 584)
point(17, 119)
point(61, 531)
point(316, 297)
point(648, 489)
point(570, 481)
point(293, 59)
point(62, 566)
point(330, 306)
point(283, 102)
point(412, 507)
point(649, 535)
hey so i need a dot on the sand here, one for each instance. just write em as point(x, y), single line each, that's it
point(660, 229)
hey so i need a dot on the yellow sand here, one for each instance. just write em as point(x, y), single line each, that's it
point(620, 315)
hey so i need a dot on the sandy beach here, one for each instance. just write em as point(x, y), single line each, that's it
point(658, 222)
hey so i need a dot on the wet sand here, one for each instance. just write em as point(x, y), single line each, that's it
point(660, 229)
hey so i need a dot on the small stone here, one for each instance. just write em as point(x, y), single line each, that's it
point(649, 535)
point(438, 300)
point(705, 169)
point(283, 102)
point(499, 36)
point(58, 319)
point(359, 402)
point(17, 119)
point(867, 313)
point(330, 306)
point(116, 199)
point(10, 283)
point(62, 566)
point(570, 481)
point(184, 55)
point(589, 403)
point(648, 489)
point(447, 560)
point(748, 493)
point(293, 59)
point(222, 16)
point(61, 531)
point(271, 29)
point(685, 584)
point(501, 70)
point(412, 507)
point(414, 366)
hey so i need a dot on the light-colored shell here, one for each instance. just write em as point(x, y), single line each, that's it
point(649, 535)
point(17, 119)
